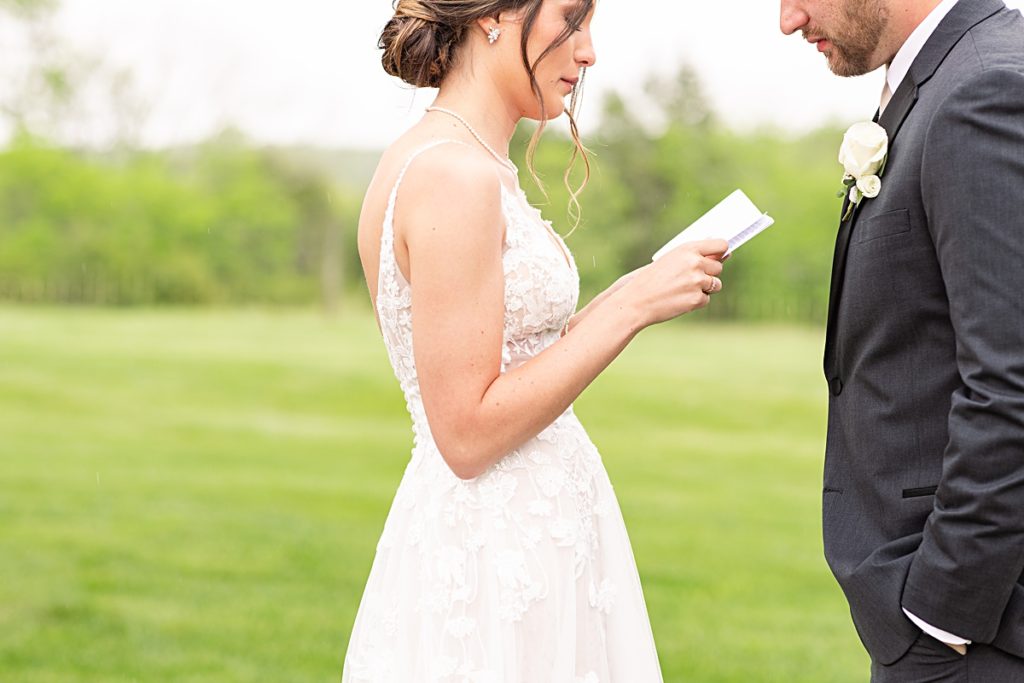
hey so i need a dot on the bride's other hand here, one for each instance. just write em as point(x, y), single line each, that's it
point(712, 247)
point(680, 282)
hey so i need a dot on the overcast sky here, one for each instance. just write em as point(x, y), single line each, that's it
point(309, 70)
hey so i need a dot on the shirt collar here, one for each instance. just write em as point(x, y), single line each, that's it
point(900, 66)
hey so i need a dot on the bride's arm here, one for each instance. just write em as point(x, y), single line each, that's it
point(578, 317)
point(454, 242)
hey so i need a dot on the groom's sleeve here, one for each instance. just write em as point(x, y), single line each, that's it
point(972, 553)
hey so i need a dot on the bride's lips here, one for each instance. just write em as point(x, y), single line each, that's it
point(569, 82)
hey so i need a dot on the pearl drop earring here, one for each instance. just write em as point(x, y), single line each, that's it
point(493, 35)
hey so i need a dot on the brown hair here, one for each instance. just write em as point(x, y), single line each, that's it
point(422, 40)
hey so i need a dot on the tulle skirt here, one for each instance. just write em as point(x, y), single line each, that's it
point(523, 575)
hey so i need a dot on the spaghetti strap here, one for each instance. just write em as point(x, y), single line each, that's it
point(401, 175)
point(388, 264)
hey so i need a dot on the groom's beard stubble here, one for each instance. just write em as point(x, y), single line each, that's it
point(855, 42)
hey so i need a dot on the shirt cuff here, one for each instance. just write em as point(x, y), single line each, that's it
point(936, 633)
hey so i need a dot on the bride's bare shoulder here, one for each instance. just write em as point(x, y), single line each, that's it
point(446, 178)
point(440, 167)
point(438, 173)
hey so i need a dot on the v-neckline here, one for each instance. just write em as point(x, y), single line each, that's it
point(519, 196)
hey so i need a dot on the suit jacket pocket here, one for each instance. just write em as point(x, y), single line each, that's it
point(920, 492)
point(884, 225)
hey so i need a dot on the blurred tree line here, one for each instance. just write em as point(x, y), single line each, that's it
point(227, 222)
point(220, 223)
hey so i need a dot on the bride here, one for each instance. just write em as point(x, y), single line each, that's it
point(504, 558)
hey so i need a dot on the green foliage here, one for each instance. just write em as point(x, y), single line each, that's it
point(27, 7)
point(223, 223)
point(197, 495)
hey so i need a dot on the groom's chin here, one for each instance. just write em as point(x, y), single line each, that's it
point(849, 64)
point(844, 68)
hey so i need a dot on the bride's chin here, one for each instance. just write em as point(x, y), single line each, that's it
point(554, 111)
point(535, 114)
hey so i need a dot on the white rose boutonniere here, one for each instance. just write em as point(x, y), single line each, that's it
point(863, 155)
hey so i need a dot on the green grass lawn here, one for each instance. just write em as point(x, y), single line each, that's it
point(196, 496)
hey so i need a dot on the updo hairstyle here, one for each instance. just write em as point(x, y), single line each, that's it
point(421, 45)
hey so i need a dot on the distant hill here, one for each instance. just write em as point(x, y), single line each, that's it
point(347, 168)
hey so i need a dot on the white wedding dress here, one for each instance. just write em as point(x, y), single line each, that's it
point(524, 574)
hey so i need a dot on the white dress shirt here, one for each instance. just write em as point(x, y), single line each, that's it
point(895, 73)
point(899, 67)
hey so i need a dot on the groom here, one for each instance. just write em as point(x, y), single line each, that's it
point(923, 502)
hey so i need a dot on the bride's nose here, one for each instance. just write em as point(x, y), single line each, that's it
point(585, 54)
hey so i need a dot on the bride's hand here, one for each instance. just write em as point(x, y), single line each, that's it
point(681, 281)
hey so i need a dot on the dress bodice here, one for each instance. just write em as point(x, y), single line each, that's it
point(541, 293)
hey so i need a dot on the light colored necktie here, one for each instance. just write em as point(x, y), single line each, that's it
point(886, 96)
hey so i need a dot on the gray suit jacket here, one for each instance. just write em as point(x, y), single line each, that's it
point(923, 503)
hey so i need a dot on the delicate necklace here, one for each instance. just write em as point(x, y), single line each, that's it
point(504, 161)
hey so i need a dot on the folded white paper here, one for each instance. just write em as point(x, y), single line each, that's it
point(735, 220)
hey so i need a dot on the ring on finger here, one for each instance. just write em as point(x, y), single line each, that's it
point(715, 286)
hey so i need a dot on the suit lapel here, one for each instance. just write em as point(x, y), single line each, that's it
point(962, 18)
point(896, 113)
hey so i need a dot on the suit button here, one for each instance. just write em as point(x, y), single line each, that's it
point(835, 386)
